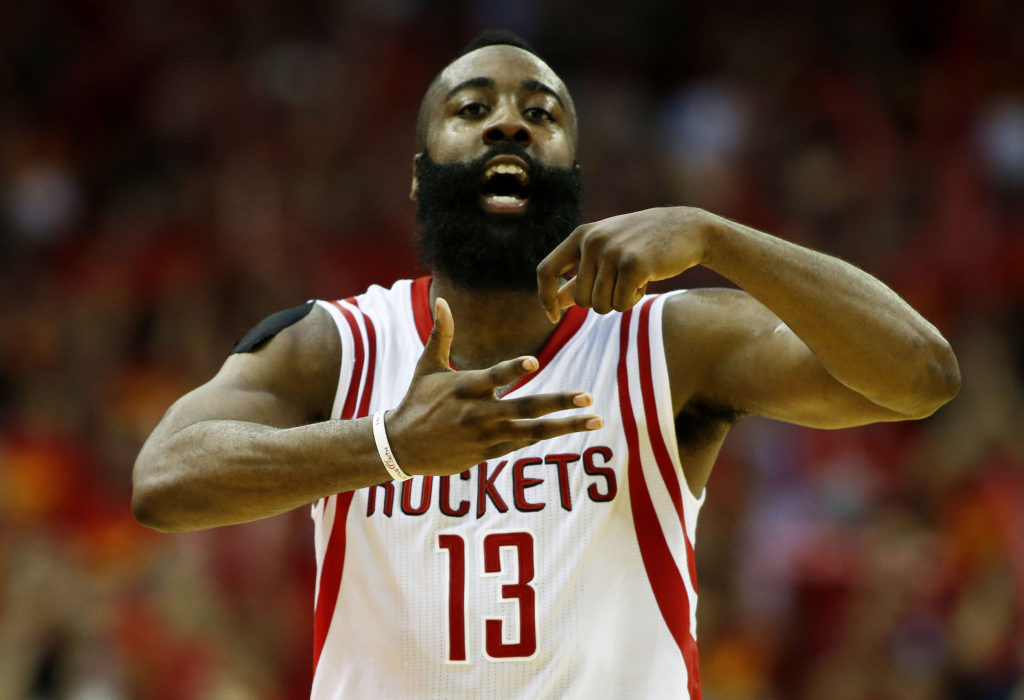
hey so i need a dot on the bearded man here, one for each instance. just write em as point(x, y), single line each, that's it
point(501, 506)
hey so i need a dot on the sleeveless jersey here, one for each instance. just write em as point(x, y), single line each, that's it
point(563, 570)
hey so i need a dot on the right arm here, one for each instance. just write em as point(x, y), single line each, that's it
point(256, 441)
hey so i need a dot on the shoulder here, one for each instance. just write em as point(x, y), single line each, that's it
point(305, 334)
point(271, 326)
point(704, 324)
point(702, 331)
point(299, 361)
point(718, 307)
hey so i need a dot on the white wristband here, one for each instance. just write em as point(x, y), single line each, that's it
point(380, 436)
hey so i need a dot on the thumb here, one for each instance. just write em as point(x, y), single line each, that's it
point(566, 295)
point(437, 351)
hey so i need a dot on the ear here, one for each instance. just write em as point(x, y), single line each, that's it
point(415, 180)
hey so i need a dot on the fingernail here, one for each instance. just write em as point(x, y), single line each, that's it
point(582, 399)
point(530, 364)
point(552, 316)
point(594, 424)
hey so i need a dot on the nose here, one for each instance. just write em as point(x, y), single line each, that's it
point(507, 125)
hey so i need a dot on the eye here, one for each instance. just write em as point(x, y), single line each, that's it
point(473, 110)
point(538, 114)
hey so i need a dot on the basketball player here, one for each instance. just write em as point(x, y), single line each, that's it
point(500, 506)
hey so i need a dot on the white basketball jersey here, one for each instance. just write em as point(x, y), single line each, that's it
point(562, 570)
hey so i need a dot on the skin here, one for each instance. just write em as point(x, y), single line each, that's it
point(811, 340)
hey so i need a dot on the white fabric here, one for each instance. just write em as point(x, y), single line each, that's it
point(599, 630)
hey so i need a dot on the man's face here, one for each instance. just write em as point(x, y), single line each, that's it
point(497, 186)
point(501, 92)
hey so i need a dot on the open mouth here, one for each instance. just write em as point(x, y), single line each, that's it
point(505, 187)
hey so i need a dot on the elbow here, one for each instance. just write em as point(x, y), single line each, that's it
point(142, 511)
point(146, 511)
point(149, 510)
point(146, 497)
point(939, 382)
point(944, 376)
point(154, 504)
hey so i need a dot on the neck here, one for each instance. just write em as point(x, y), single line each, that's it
point(492, 325)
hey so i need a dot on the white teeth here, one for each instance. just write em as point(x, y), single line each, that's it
point(504, 199)
point(507, 169)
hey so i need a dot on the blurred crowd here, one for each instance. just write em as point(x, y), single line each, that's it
point(171, 172)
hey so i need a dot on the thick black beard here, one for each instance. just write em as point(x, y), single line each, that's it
point(482, 251)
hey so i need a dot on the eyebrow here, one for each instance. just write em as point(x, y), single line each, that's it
point(530, 85)
point(471, 83)
point(538, 86)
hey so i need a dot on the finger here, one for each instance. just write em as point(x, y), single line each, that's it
point(541, 404)
point(566, 296)
point(627, 293)
point(520, 434)
point(437, 351)
point(483, 382)
point(558, 262)
point(604, 286)
point(523, 433)
point(590, 259)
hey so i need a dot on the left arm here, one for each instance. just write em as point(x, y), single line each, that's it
point(848, 351)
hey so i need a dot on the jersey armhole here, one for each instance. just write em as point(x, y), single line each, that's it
point(345, 366)
point(663, 397)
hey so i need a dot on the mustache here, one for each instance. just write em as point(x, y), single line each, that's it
point(502, 148)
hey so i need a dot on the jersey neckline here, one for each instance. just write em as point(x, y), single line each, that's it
point(566, 329)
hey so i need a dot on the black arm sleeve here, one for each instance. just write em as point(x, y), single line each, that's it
point(271, 326)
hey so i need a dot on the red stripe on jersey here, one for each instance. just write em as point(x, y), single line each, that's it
point(349, 407)
point(371, 363)
point(334, 558)
point(330, 576)
point(567, 327)
point(421, 307)
point(668, 472)
point(661, 450)
point(421, 312)
point(662, 572)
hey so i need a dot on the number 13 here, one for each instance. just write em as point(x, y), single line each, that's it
point(520, 591)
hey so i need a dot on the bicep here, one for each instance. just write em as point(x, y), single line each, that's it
point(287, 382)
point(228, 397)
point(725, 346)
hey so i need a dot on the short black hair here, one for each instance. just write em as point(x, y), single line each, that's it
point(491, 37)
point(497, 37)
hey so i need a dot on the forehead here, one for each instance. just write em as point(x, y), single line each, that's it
point(508, 66)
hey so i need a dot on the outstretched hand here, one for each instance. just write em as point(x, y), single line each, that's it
point(616, 258)
point(451, 420)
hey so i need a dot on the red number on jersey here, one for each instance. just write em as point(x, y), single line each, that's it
point(456, 547)
point(521, 592)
